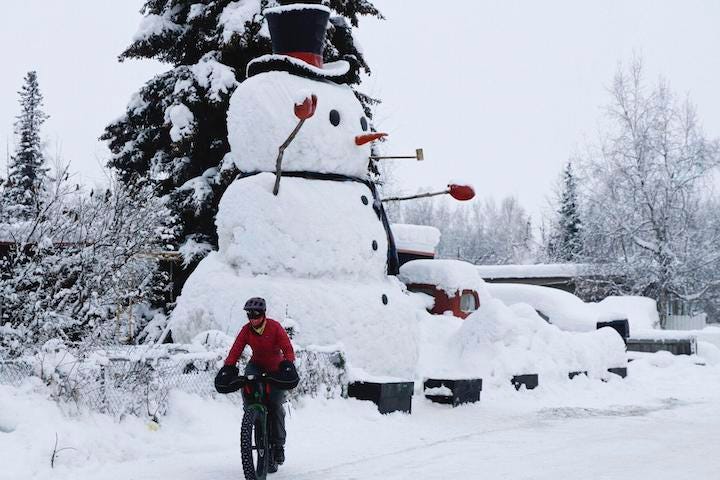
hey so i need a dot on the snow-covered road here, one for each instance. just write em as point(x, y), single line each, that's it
point(663, 421)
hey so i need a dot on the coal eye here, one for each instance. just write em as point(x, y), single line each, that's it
point(335, 117)
point(363, 124)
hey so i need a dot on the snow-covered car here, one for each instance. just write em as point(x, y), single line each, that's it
point(569, 312)
point(558, 307)
point(454, 285)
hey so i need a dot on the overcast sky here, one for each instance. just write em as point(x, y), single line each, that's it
point(499, 93)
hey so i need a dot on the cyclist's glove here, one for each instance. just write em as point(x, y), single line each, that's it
point(227, 374)
point(287, 377)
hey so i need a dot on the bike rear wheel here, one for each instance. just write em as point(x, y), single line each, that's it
point(254, 445)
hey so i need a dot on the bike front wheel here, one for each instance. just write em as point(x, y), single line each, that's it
point(254, 446)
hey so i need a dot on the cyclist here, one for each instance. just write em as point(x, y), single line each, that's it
point(271, 352)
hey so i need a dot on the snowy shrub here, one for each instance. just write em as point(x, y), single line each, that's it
point(81, 269)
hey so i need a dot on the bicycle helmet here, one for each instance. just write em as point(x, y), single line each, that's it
point(255, 303)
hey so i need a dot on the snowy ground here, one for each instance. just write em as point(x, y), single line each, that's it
point(663, 421)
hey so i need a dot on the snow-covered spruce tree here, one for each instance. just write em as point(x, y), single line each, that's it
point(80, 269)
point(565, 244)
point(646, 196)
point(173, 134)
point(27, 173)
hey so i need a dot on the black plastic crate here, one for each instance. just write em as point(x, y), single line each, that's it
point(529, 380)
point(463, 390)
point(620, 326)
point(389, 397)
point(676, 346)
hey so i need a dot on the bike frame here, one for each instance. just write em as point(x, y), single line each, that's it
point(256, 391)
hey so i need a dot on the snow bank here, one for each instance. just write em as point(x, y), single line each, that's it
point(497, 342)
point(659, 402)
point(415, 238)
point(265, 103)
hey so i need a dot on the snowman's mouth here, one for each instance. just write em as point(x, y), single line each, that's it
point(369, 137)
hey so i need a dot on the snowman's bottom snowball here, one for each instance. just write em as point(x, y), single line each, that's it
point(377, 338)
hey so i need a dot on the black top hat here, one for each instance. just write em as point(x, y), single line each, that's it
point(297, 31)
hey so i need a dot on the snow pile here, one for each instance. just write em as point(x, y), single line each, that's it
point(641, 312)
point(710, 335)
point(562, 308)
point(415, 238)
point(497, 342)
point(297, 232)
point(265, 103)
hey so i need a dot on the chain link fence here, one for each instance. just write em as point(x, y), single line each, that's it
point(14, 372)
point(139, 381)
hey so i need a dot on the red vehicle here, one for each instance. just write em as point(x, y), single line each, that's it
point(451, 283)
point(461, 304)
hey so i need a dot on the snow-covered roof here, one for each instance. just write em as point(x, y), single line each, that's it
point(448, 275)
point(567, 270)
point(415, 238)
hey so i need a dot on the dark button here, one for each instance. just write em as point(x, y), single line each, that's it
point(375, 245)
point(384, 299)
point(364, 200)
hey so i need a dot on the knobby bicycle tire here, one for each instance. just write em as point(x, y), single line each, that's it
point(254, 427)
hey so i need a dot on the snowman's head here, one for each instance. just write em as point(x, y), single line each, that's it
point(336, 139)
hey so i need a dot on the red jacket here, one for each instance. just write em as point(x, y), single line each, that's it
point(268, 349)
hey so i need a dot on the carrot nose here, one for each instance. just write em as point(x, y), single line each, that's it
point(369, 137)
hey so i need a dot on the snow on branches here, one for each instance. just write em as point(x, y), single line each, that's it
point(647, 206)
point(80, 265)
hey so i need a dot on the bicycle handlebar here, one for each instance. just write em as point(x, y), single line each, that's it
point(241, 380)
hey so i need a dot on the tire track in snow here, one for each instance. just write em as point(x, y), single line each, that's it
point(323, 472)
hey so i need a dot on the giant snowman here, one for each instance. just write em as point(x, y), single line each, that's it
point(317, 251)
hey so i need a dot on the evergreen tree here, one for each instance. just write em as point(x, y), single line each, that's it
point(27, 174)
point(566, 242)
point(174, 133)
